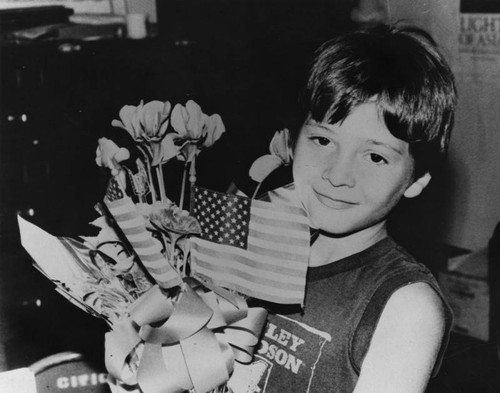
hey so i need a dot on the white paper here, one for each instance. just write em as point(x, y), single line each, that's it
point(21, 380)
point(48, 253)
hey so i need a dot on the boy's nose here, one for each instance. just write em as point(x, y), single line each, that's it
point(340, 172)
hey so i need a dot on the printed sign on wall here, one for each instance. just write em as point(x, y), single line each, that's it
point(479, 39)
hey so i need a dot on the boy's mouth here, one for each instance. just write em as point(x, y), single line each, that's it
point(334, 203)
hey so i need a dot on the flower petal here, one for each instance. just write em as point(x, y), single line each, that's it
point(214, 128)
point(263, 166)
point(280, 146)
point(195, 120)
point(135, 124)
point(164, 118)
point(109, 155)
point(164, 151)
point(178, 119)
point(149, 117)
point(126, 114)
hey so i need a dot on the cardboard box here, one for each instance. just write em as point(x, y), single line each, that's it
point(467, 288)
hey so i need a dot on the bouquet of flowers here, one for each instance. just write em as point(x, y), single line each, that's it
point(172, 283)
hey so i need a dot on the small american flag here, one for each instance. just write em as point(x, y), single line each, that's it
point(258, 248)
point(133, 226)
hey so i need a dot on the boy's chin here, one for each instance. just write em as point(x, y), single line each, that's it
point(336, 233)
point(331, 230)
point(344, 230)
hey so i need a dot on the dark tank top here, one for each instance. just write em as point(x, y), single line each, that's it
point(321, 348)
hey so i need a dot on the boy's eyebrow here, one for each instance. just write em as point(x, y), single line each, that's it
point(315, 123)
point(386, 145)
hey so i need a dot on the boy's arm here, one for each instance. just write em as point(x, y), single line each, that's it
point(405, 343)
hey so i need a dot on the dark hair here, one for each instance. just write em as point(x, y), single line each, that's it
point(401, 69)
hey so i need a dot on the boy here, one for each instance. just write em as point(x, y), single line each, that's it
point(379, 108)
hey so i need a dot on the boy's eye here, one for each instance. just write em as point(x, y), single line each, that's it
point(320, 140)
point(377, 159)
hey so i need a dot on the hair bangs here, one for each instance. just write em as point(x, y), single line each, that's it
point(399, 69)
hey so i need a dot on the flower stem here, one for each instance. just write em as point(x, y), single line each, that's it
point(256, 190)
point(183, 185)
point(150, 175)
point(192, 172)
point(161, 184)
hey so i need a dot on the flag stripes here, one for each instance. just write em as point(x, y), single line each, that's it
point(276, 222)
point(148, 249)
point(254, 289)
point(273, 238)
point(241, 258)
point(246, 272)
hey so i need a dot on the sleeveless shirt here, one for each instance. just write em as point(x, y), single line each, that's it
point(321, 348)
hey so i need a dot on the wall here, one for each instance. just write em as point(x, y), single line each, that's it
point(470, 187)
point(473, 173)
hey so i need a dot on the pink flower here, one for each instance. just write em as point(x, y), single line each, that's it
point(109, 155)
point(281, 154)
point(145, 122)
point(195, 130)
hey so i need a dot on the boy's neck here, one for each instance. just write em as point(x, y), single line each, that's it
point(327, 249)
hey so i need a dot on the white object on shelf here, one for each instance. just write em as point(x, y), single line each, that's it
point(97, 19)
point(136, 26)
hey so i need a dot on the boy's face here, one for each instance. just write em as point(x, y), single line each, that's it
point(350, 175)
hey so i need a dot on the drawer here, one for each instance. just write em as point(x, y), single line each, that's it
point(22, 149)
point(14, 175)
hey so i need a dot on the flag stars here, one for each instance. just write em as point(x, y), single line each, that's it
point(224, 218)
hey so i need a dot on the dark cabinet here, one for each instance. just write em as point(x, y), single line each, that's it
point(56, 99)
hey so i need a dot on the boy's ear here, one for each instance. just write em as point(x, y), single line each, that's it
point(418, 186)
